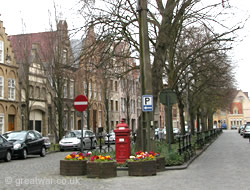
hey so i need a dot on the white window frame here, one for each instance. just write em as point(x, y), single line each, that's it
point(1, 123)
point(100, 93)
point(94, 91)
point(90, 90)
point(1, 51)
point(85, 89)
point(1, 86)
point(65, 91)
point(71, 90)
point(11, 89)
point(72, 122)
point(100, 118)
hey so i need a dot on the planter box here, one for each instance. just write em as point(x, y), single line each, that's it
point(73, 167)
point(160, 164)
point(101, 169)
point(142, 168)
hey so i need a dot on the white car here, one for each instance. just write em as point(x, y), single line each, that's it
point(176, 131)
point(72, 140)
point(111, 138)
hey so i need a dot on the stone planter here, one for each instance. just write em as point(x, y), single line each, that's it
point(142, 168)
point(101, 169)
point(73, 167)
point(160, 164)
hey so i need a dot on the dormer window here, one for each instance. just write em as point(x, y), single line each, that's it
point(235, 111)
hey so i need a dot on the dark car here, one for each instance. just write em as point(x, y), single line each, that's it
point(6, 149)
point(26, 143)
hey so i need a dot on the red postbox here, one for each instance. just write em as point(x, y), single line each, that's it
point(122, 142)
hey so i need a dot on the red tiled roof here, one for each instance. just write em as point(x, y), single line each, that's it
point(238, 105)
point(22, 45)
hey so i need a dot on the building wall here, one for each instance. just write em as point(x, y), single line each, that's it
point(9, 110)
point(238, 114)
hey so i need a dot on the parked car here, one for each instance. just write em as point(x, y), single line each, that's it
point(246, 131)
point(72, 140)
point(233, 127)
point(240, 129)
point(176, 131)
point(26, 143)
point(6, 149)
point(109, 138)
point(47, 142)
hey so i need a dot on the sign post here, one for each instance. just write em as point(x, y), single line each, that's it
point(81, 104)
point(147, 103)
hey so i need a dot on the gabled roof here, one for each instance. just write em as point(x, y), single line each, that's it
point(22, 45)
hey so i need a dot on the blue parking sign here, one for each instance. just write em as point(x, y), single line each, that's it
point(147, 103)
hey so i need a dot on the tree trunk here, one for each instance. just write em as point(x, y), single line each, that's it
point(138, 142)
point(203, 120)
point(192, 118)
point(198, 120)
point(182, 120)
point(210, 120)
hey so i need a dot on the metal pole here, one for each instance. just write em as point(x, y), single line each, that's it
point(169, 135)
point(81, 132)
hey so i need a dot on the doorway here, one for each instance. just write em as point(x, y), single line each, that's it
point(11, 121)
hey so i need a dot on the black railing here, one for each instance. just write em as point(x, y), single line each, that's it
point(184, 142)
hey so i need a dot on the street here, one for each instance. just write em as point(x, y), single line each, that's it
point(224, 165)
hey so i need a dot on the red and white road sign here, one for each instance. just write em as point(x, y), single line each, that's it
point(81, 103)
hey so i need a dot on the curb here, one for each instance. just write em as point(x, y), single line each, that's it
point(183, 166)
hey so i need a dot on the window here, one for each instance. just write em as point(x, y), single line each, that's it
point(116, 86)
point(111, 85)
point(37, 92)
point(100, 119)
point(43, 93)
point(94, 91)
point(100, 93)
point(71, 90)
point(1, 87)
point(72, 122)
point(64, 57)
point(65, 91)
point(1, 52)
point(112, 124)
point(90, 90)
point(11, 89)
point(235, 111)
point(1, 123)
point(123, 104)
point(116, 105)
point(85, 88)
point(111, 105)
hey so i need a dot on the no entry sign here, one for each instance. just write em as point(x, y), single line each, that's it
point(81, 103)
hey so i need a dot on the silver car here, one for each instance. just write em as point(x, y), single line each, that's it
point(72, 140)
point(110, 138)
point(246, 131)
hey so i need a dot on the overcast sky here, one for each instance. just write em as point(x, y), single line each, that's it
point(34, 13)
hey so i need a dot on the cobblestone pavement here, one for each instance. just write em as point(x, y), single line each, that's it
point(224, 165)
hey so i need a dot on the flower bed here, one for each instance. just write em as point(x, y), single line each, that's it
point(74, 165)
point(101, 167)
point(142, 164)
